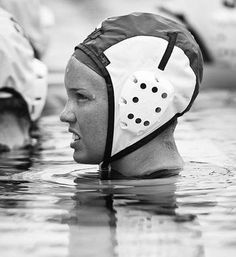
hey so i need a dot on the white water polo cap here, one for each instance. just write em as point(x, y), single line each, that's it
point(19, 70)
point(152, 67)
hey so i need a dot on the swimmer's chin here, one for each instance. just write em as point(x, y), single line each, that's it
point(82, 159)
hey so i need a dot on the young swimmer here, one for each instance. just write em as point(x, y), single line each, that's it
point(127, 84)
point(23, 85)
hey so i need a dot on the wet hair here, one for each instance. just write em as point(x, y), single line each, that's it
point(14, 104)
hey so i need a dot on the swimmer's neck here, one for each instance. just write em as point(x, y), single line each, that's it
point(158, 155)
point(14, 131)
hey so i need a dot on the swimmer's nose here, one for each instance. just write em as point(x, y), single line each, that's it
point(67, 115)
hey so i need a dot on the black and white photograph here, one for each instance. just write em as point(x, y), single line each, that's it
point(117, 128)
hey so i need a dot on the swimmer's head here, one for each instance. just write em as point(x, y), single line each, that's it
point(151, 68)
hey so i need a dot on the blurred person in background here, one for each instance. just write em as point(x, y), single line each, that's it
point(23, 85)
point(35, 18)
point(127, 84)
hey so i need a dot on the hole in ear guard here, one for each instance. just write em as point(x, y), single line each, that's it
point(147, 104)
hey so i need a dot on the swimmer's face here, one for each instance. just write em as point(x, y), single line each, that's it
point(86, 112)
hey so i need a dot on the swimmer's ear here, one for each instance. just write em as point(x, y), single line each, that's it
point(144, 100)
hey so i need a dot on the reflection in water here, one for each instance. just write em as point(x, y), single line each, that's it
point(17, 161)
point(12, 163)
point(130, 218)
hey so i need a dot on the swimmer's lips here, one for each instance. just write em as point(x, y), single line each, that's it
point(75, 138)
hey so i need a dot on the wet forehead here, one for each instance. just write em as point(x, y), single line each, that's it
point(78, 75)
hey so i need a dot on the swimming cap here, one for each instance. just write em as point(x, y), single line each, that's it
point(19, 70)
point(152, 67)
point(85, 59)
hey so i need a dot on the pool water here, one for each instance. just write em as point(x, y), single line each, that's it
point(51, 206)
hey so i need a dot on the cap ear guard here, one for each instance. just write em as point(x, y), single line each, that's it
point(144, 99)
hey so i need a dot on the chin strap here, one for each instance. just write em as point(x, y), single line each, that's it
point(105, 171)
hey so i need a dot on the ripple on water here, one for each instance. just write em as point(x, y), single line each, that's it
point(51, 206)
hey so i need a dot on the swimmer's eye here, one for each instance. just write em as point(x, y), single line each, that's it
point(83, 97)
point(80, 96)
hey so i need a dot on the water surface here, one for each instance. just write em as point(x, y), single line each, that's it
point(51, 206)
